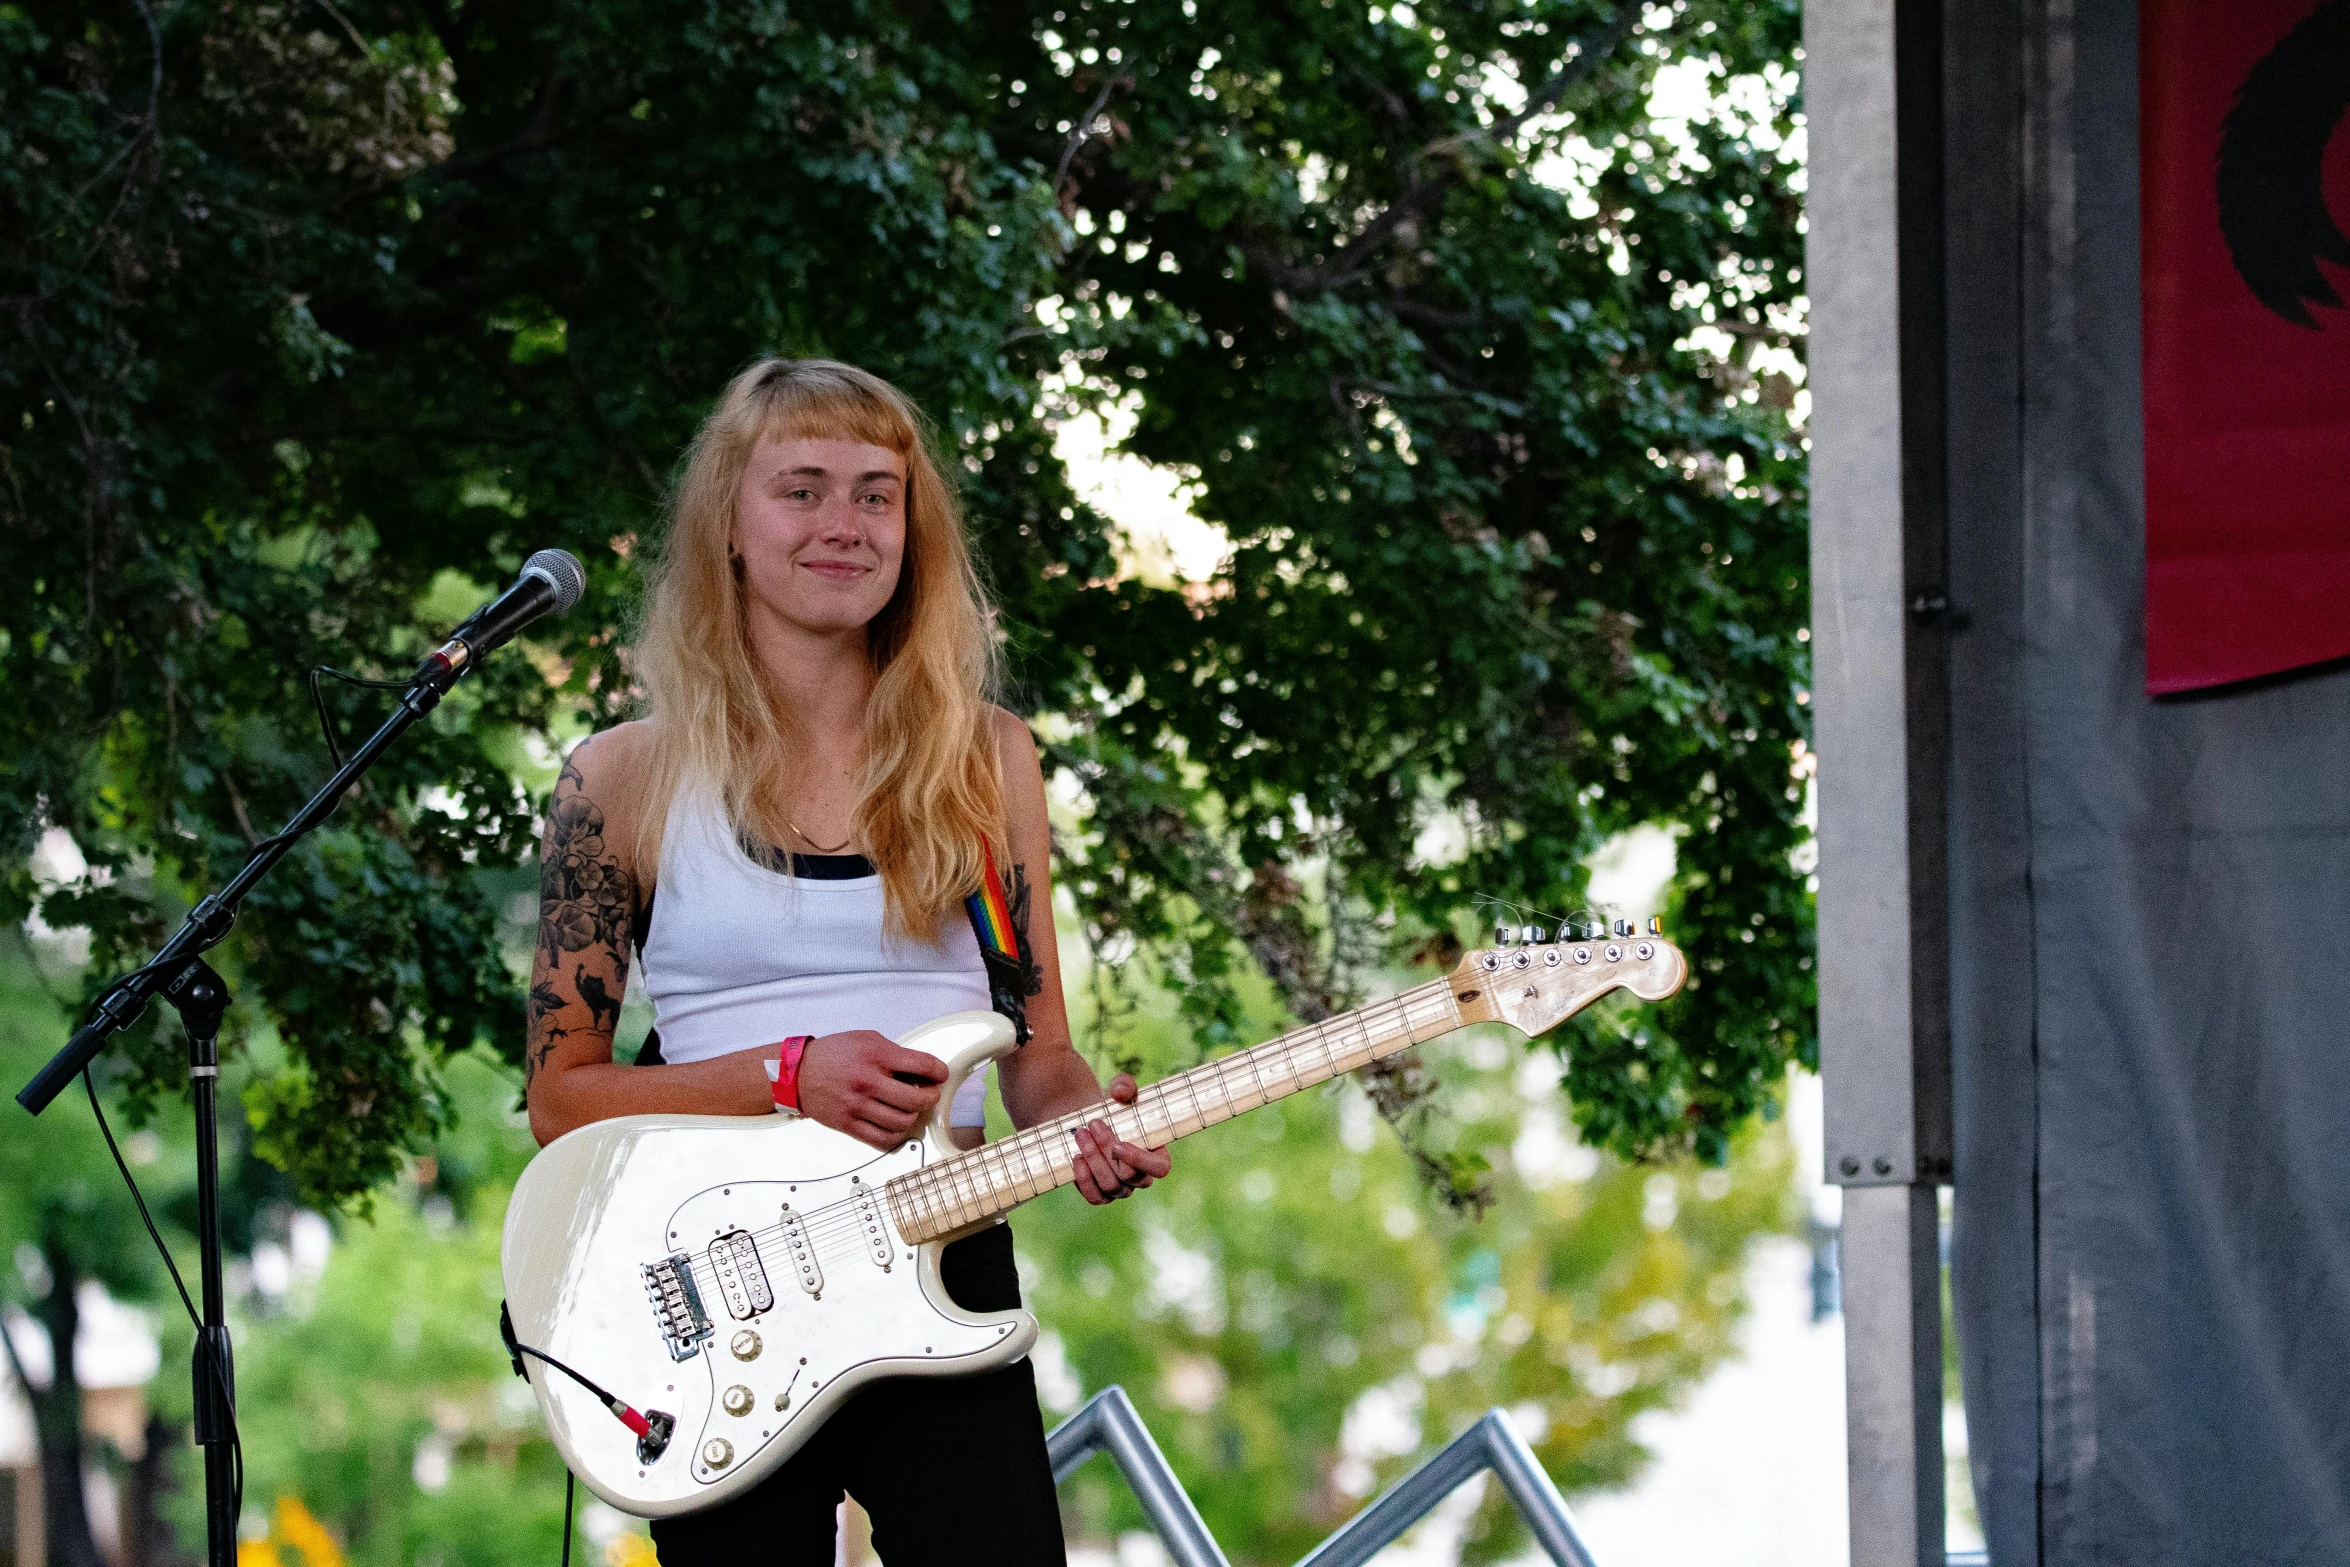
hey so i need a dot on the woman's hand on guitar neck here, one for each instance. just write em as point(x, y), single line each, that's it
point(1108, 1168)
point(860, 1083)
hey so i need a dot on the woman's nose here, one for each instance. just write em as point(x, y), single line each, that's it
point(840, 524)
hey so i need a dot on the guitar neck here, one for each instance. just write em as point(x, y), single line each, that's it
point(971, 1188)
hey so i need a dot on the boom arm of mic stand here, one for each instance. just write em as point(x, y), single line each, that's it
point(209, 921)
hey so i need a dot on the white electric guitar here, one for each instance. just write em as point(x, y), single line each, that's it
point(722, 1283)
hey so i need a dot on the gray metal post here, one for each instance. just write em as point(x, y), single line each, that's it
point(1893, 1375)
point(1492, 1443)
point(1880, 614)
point(1109, 1423)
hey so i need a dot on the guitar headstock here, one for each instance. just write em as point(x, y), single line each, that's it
point(1534, 979)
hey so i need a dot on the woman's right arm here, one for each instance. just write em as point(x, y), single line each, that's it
point(588, 896)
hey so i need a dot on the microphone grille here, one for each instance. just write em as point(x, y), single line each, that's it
point(563, 571)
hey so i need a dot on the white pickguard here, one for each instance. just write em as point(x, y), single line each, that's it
point(600, 1204)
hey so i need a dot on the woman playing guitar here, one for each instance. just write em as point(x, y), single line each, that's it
point(818, 785)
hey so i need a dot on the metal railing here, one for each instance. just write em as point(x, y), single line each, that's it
point(1108, 1423)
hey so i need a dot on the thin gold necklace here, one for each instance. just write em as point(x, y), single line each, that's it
point(813, 844)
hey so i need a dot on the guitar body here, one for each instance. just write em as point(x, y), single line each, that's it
point(743, 1275)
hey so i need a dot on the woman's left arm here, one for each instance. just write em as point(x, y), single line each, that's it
point(1047, 1077)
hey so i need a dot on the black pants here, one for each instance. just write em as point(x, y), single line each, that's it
point(952, 1470)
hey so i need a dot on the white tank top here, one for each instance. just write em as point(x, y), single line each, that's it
point(740, 956)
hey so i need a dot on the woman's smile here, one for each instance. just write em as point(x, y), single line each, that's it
point(837, 570)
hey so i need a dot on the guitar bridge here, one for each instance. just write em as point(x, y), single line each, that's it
point(677, 1305)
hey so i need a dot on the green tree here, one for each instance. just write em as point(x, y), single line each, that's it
point(65, 1220)
point(323, 317)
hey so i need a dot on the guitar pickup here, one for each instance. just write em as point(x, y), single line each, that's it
point(877, 1236)
point(677, 1305)
point(803, 1253)
point(742, 1279)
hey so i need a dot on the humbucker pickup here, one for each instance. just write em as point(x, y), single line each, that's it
point(741, 1277)
point(677, 1305)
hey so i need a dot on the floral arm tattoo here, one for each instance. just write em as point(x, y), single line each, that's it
point(585, 902)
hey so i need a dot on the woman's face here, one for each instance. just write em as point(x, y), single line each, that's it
point(821, 530)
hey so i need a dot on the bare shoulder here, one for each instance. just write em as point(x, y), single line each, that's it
point(614, 760)
point(1022, 772)
point(1014, 740)
point(604, 782)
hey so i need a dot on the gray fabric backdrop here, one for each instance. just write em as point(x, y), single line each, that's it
point(2150, 907)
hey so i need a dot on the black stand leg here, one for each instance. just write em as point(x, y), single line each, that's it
point(202, 998)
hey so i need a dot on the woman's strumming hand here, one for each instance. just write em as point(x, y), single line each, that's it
point(1109, 1168)
point(860, 1083)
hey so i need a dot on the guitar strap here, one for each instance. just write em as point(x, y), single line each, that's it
point(1001, 926)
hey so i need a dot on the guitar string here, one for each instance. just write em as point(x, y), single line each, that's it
point(1008, 1167)
point(947, 1185)
point(974, 1184)
point(951, 1187)
point(825, 1227)
point(948, 1189)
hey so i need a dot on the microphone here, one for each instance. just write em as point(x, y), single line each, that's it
point(551, 581)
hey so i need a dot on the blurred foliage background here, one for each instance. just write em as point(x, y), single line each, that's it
point(1294, 1318)
point(1474, 329)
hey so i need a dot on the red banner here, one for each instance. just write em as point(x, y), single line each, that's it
point(2243, 164)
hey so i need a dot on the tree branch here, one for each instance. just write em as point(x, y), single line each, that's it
point(1083, 128)
point(1589, 52)
point(1348, 265)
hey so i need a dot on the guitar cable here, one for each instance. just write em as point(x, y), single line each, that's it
point(653, 1427)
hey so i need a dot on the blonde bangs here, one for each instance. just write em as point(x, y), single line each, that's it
point(930, 800)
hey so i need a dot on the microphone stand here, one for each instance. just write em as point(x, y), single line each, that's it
point(180, 975)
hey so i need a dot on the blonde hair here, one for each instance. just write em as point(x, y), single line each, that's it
point(930, 796)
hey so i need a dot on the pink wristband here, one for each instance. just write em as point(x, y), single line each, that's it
point(787, 1072)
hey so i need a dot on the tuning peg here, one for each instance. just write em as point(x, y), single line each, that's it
point(1656, 926)
point(1505, 935)
point(1534, 935)
point(1623, 927)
